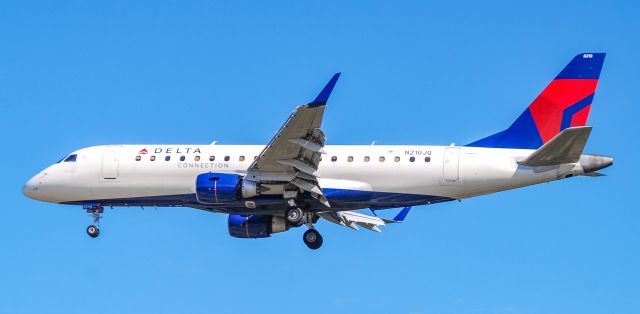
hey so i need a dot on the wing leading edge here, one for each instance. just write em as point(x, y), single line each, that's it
point(292, 156)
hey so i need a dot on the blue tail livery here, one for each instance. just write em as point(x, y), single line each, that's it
point(564, 103)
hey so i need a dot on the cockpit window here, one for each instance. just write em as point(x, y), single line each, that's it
point(71, 158)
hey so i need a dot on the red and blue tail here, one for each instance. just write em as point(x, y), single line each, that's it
point(564, 103)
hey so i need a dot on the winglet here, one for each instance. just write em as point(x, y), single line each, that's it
point(323, 97)
point(402, 214)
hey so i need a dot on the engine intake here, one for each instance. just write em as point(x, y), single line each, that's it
point(256, 226)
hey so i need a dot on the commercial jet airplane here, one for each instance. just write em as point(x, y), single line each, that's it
point(296, 179)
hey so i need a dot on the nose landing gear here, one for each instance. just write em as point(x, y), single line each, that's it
point(93, 231)
point(95, 211)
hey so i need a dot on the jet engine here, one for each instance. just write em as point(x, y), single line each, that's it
point(256, 226)
point(220, 188)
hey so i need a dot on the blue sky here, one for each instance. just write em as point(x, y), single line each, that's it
point(79, 73)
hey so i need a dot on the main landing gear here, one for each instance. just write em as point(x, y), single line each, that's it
point(312, 237)
point(95, 211)
point(296, 217)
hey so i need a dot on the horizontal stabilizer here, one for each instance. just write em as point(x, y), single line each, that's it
point(564, 148)
point(595, 174)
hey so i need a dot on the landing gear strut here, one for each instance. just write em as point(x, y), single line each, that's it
point(95, 211)
point(296, 218)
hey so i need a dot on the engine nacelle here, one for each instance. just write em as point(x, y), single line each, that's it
point(216, 188)
point(220, 188)
point(256, 226)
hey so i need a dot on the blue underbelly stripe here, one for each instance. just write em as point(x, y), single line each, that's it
point(338, 198)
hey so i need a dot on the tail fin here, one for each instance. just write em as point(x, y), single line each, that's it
point(564, 103)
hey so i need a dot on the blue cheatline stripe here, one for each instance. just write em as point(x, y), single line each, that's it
point(568, 113)
point(338, 198)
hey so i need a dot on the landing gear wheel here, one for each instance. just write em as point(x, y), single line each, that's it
point(294, 216)
point(312, 239)
point(93, 231)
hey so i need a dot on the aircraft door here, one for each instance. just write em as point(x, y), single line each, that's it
point(111, 162)
point(451, 166)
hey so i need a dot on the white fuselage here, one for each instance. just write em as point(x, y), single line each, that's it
point(123, 172)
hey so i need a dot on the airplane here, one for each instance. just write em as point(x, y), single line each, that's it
point(295, 179)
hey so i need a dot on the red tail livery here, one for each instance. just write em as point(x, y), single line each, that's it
point(564, 103)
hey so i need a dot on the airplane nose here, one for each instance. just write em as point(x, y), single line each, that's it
point(32, 187)
point(28, 188)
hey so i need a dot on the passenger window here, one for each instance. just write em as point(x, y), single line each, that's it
point(241, 158)
point(350, 158)
point(167, 158)
point(396, 159)
point(182, 158)
point(381, 159)
point(255, 157)
point(152, 158)
point(334, 158)
point(366, 158)
point(427, 159)
point(71, 158)
point(212, 158)
point(226, 158)
point(412, 159)
point(138, 158)
point(197, 158)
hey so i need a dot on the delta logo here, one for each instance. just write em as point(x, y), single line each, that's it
point(171, 150)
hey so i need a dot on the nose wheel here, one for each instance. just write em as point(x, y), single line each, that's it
point(93, 231)
point(95, 211)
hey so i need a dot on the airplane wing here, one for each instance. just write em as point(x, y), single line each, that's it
point(293, 154)
point(354, 219)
